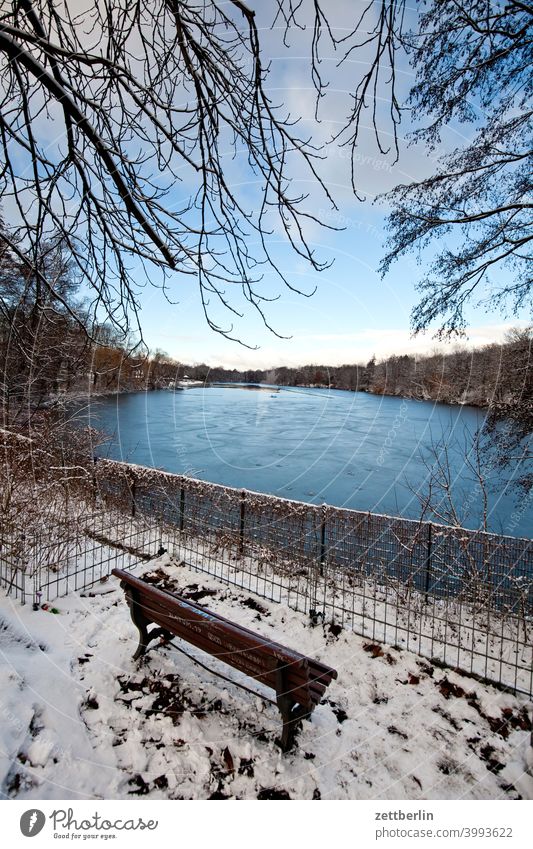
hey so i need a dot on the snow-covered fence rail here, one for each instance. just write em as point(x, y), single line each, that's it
point(453, 594)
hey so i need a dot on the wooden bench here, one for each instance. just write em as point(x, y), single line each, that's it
point(299, 681)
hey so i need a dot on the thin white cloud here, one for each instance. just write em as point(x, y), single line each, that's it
point(358, 347)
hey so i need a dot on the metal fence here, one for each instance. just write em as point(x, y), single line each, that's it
point(48, 562)
point(461, 597)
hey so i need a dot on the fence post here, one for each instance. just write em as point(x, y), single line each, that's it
point(428, 562)
point(95, 485)
point(133, 489)
point(241, 527)
point(22, 565)
point(322, 540)
point(182, 508)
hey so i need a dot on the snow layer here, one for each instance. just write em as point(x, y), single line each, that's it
point(81, 719)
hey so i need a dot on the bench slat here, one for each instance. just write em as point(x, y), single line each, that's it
point(189, 620)
point(246, 660)
point(164, 595)
point(297, 684)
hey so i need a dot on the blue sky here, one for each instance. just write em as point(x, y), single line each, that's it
point(354, 313)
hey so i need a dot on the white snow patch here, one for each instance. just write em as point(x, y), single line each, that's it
point(81, 719)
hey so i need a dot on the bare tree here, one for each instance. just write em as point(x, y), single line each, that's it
point(473, 63)
point(40, 344)
point(449, 462)
point(510, 419)
point(149, 102)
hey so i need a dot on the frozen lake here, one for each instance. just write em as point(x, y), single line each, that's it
point(350, 449)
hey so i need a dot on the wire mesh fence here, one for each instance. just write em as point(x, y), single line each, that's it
point(48, 562)
point(461, 597)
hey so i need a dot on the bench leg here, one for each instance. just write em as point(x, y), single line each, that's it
point(140, 622)
point(290, 714)
point(143, 641)
point(146, 637)
point(287, 734)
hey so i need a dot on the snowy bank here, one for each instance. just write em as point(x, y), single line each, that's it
point(81, 719)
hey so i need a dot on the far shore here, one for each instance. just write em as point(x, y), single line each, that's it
point(87, 396)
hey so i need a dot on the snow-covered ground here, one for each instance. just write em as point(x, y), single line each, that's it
point(81, 719)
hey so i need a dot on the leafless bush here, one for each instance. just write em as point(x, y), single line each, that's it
point(45, 474)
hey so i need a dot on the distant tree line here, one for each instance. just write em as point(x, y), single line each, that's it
point(493, 375)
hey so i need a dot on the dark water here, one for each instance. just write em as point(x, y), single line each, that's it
point(349, 449)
